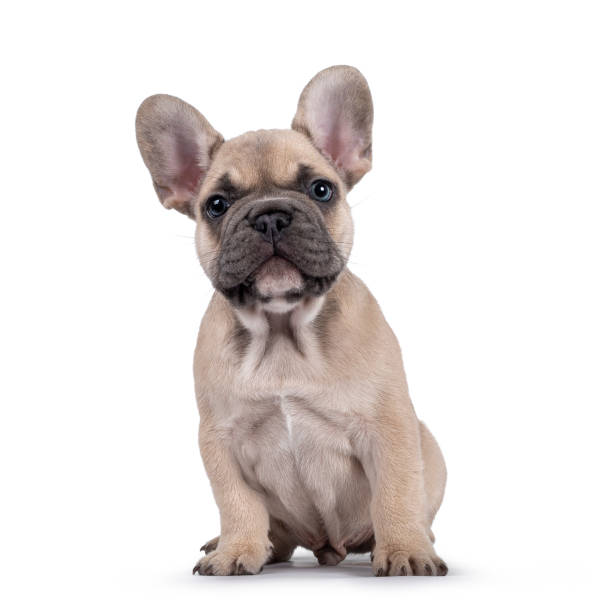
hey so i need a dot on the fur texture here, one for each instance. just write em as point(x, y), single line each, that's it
point(307, 432)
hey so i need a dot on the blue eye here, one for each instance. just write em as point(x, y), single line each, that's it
point(321, 191)
point(216, 206)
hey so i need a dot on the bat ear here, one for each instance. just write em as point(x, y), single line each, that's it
point(335, 111)
point(177, 145)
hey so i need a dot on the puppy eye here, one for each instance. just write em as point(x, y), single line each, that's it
point(216, 206)
point(321, 191)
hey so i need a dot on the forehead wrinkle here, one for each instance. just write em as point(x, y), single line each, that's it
point(256, 161)
point(229, 187)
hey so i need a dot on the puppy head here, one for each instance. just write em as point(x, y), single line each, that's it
point(273, 224)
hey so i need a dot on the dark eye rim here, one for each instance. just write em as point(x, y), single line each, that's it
point(210, 200)
point(328, 184)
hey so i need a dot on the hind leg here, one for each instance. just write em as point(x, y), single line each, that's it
point(283, 543)
point(210, 545)
point(434, 474)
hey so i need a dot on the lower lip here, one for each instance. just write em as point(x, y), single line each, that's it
point(277, 276)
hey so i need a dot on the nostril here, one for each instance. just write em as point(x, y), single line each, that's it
point(272, 224)
point(281, 223)
point(261, 224)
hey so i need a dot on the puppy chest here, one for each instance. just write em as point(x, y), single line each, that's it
point(288, 435)
point(302, 461)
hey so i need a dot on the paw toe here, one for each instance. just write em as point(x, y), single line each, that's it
point(402, 563)
point(210, 546)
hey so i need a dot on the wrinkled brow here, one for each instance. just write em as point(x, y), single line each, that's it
point(300, 182)
point(304, 176)
point(225, 186)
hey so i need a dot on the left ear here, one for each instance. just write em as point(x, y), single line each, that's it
point(177, 145)
point(335, 111)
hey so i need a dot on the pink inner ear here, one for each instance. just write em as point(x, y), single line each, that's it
point(335, 135)
point(343, 145)
point(183, 167)
point(188, 172)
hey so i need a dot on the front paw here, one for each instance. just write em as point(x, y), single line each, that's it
point(414, 557)
point(233, 559)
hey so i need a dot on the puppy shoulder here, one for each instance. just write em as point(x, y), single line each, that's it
point(214, 348)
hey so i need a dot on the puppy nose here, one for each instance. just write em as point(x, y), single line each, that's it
point(271, 224)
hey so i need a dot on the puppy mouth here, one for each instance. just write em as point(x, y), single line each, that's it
point(278, 278)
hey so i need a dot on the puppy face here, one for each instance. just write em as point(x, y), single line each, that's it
point(273, 224)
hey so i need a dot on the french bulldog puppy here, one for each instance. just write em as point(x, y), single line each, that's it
point(307, 431)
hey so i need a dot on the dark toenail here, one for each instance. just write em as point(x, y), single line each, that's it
point(443, 569)
point(403, 570)
point(428, 569)
point(380, 572)
point(196, 568)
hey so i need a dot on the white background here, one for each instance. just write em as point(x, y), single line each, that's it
point(483, 230)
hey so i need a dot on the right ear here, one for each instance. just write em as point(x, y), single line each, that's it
point(177, 145)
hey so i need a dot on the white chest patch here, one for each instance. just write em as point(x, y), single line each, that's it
point(288, 418)
point(282, 353)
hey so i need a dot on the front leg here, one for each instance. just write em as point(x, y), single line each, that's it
point(243, 546)
point(394, 466)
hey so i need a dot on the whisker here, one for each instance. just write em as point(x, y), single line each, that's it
point(363, 200)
